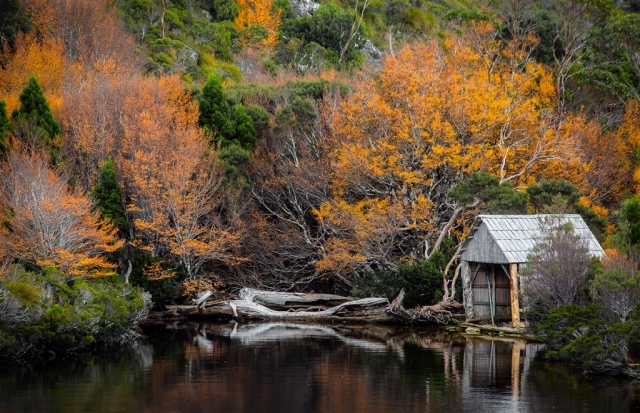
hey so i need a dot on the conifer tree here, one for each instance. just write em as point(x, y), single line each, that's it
point(35, 108)
point(108, 196)
point(215, 113)
point(245, 131)
point(5, 127)
point(222, 9)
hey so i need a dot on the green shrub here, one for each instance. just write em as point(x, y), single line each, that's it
point(634, 343)
point(580, 334)
point(377, 284)
point(422, 281)
point(50, 311)
point(24, 290)
point(260, 117)
point(329, 26)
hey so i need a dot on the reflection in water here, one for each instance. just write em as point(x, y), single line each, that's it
point(281, 367)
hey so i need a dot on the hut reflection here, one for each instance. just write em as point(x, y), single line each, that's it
point(497, 366)
point(342, 369)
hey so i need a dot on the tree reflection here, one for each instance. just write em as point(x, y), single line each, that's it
point(310, 368)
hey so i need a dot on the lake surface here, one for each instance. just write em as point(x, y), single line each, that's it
point(304, 368)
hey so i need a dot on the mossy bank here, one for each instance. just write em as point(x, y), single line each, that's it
point(49, 313)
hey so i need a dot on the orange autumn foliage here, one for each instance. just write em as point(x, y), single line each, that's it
point(93, 120)
point(258, 12)
point(433, 114)
point(42, 58)
point(628, 137)
point(47, 224)
point(93, 36)
point(173, 180)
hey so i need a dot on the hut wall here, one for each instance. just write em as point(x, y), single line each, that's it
point(467, 291)
point(483, 248)
point(490, 287)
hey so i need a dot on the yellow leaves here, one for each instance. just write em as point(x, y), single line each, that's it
point(341, 256)
point(360, 231)
point(323, 212)
point(50, 224)
point(421, 211)
point(43, 58)
point(261, 13)
point(432, 113)
point(193, 287)
point(174, 181)
point(155, 272)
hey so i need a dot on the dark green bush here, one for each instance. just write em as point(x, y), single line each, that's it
point(60, 313)
point(580, 334)
point(634, 343)
point(377, 284)
point(329, 26)
point(422, 281)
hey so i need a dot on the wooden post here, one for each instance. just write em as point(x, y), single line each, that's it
point(491, 308)
point(517, 347)
point(515, 290)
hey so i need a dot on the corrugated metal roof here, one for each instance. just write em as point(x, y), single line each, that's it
point(517, 235)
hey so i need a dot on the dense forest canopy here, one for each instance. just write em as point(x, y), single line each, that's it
point(215, 144)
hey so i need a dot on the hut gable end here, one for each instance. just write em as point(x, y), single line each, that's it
point(509, 239)
point(483, 247)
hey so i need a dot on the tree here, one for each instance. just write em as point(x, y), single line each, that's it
point(575, 19)
point(47, 224)
point(332, 28)
point(14, 18)
point(260, 117)
point(557, 267)
point(245, 132)
point(223, 9)
point(431, 116)
point(629, 225)
point(215, 114)
point(5, 128)
point(617, 286)
point(234, 161)
point(175, 184)
point(610, 64)
point(34, 107)
point(108, 196)
point(92, 35)
point(543, 193)
point(290, 173)
point(94, 120)
point(500, 198)
point(258, 13)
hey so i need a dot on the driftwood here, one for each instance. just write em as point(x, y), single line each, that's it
point(279, 301)
point(270, 305)
point(267, 305)
point(446, 312)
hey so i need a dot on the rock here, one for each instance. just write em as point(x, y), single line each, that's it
point(371, 51)
point(191, 54)
point(472, 330)
point(372, 55)
point(302, 8)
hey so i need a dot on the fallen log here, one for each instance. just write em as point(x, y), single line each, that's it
point(271, 305)
point(365, 306)
point(268, 305)
point(280, 301)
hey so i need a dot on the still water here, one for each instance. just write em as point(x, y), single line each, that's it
point(304, 368)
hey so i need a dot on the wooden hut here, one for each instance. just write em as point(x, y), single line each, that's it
point(492, 255)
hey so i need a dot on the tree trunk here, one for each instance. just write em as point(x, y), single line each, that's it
point(255, 304)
